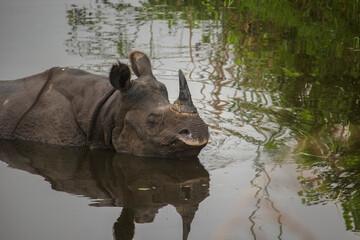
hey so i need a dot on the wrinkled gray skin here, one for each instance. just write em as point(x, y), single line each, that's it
point(71, 107)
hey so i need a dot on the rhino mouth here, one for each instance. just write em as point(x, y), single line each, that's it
point(193, 143)
point(186, 148)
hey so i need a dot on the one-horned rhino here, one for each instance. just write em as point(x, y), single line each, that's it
point(72, 107)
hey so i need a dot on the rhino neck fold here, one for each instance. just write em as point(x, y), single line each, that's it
point(95, 116)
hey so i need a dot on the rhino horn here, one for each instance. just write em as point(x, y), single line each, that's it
point(184, 102)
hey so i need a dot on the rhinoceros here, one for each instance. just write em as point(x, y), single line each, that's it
point(71, 107)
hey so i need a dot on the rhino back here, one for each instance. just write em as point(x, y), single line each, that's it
point(51, 107)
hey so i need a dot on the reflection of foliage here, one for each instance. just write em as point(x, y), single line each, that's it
point(300, 50)
point(333, 180)
point(306, 54)
point(93, 32)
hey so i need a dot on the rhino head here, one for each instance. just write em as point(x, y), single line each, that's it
point(147, 123)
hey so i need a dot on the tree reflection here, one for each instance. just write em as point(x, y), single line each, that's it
point(141, 186)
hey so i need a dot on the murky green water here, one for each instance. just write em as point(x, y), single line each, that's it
point(277, 82)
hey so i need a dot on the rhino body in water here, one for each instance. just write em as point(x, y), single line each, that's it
point(75, 108)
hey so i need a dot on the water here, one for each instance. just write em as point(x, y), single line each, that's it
point(276, 82)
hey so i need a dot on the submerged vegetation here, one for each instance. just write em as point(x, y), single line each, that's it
point(295, 63)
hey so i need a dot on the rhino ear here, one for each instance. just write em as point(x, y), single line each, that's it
point(119, 76)
point(140, 63)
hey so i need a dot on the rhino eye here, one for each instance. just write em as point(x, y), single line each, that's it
point(153, 119)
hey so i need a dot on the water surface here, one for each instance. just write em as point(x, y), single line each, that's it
point(277, 82)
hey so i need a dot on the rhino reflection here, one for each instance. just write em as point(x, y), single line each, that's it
point(140, 185)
